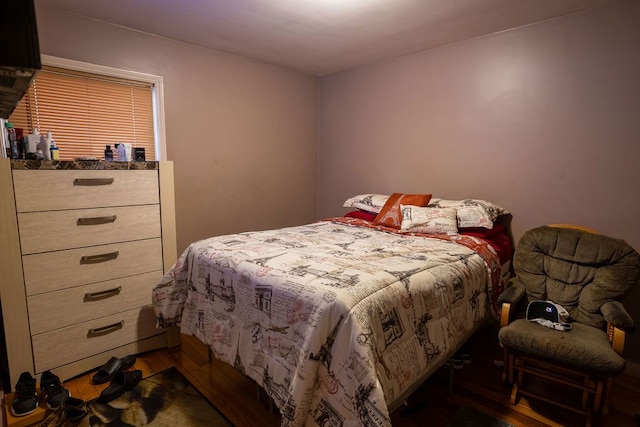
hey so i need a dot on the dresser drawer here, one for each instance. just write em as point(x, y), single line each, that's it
point(58, 309)
point(52, 271)
point(56, 230)
point(43, 190)
point(66, 345)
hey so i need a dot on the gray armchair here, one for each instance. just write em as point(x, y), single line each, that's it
point(589, 275)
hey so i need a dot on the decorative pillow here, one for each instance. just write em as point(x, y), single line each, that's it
point(390, 215)
point(367, 202)
point(428, 220)
point(367, 216)
point(472, 212)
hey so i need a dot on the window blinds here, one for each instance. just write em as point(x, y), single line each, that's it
point(85, 112)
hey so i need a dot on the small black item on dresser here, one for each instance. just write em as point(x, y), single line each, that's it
point(138, 154)
point(108, 153)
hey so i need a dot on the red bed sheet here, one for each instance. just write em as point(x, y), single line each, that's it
point(497, 236)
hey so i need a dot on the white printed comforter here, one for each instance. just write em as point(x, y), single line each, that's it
point(334, 320)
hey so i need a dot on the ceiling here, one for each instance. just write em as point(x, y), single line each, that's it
point(321, 36)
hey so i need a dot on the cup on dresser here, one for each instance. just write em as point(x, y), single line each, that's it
point(124, 152)
point(138, 154)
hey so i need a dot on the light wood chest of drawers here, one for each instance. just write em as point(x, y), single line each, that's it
point(80, 253)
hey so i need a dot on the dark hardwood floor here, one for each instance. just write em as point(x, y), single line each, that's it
point(477, 385)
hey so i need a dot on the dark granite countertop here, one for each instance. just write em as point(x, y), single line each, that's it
point(81, 164)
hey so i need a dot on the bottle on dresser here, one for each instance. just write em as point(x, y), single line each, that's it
point(53, 148)
point(12, 148)
point(43, 149)
point(108, 153)
point(32, 144)
point(49, 143)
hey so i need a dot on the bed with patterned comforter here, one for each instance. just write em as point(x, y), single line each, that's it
point(337, 320)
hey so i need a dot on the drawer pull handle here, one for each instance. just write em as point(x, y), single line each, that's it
point(94, 259)
point(105, 329)
point(96, 220)
point(91, 182)
point(102, 294)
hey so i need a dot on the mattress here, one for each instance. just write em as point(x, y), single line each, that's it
point(337, 320)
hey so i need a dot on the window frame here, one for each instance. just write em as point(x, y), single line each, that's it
point(157, 92)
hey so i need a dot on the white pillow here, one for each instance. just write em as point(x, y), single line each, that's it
point(416, 219)
point(471, 212)
point(367, 202)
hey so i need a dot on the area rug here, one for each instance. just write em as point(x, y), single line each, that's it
point(164, 399)
point(470, 417)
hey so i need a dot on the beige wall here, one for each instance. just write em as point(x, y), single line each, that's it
point(542, 120)
point(242, 133)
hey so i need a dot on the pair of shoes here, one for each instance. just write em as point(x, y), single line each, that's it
point(53, 390)
point(121, 382)
point(71, 409)
point(465, 354)
point(455, 362)
point(71, 413)
point(25, 399)
point(54, 418)
point(76, 413)
point(113, 366)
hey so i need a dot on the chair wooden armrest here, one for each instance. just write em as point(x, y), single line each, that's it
point(505, 314)
point(617, 337)
point(507, 370)
point(575, 226)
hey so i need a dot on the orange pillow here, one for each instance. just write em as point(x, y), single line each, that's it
point(390, 215)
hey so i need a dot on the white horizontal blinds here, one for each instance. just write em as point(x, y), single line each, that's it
point(21, 115)
point(85, 112)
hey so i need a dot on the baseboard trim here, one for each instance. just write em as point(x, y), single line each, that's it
point(633, 369)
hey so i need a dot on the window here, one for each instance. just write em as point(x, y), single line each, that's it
point(87, 107)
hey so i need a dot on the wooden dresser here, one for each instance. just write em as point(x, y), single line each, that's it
point(82, 245)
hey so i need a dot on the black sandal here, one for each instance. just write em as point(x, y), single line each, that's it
point(113, 366)
point(122, 381)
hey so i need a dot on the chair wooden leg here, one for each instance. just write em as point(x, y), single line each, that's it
point(514, 394)
point(607, 391)
point(597, 398)
point(585, 395)
point(508, 366)
point(588, 417)
point(517, 383)
point(511, 362)
point(590, 387)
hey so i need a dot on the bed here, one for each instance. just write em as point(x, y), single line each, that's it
point(337, 320)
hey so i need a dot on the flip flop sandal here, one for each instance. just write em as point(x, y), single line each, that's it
point(113, 366)
point(122, 381)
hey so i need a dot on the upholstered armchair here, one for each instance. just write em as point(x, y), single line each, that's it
point(589, 275)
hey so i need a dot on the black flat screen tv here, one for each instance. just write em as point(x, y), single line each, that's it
point(19, 52)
